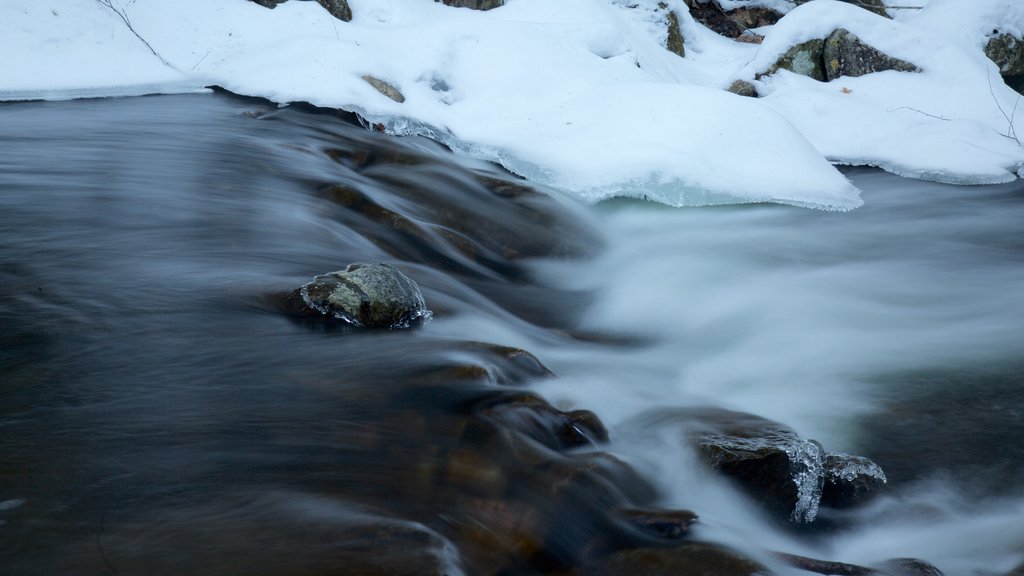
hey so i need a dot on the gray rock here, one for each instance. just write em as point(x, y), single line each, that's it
point(850, 480)
point(743, 88)
point(384, 88)
point(804, 58)
point(674, 40)
point(1007, 52)
point(844, 54)
point(367, 295)
point(474, 4)
point(876, 6)
point(338, 8)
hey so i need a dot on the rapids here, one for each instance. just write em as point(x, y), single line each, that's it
point(151, 395)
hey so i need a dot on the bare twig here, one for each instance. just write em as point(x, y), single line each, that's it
point(1011, 130)
point(124, 17)
point(921, 112)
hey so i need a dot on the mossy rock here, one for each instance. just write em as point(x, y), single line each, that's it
point(674, 41)
point(804, 59)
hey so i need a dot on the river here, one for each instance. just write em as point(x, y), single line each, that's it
point(160, 414)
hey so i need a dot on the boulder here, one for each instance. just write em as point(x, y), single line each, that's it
point(338, 8)
point(743, 88)
point(1007, 51)
point(876, 6)
point(474, 4)
point(365, 296)
point(804, 59)
point(844, 54)
point(787, 475)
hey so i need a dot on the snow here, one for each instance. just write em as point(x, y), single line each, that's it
point(580, 95)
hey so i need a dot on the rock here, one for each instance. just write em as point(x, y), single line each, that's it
point(754, 17)
point(269, 3)
point(783, 472)
point(850, 480)
point(846, 55)
point(338, 8)
point(674, 40)
point(826, 567)
point(384, 88)
point(474, 4)
point(788, 476)
point(908, 567)
point(876, 6)
point(691, 558)
point(1007, 51)
point(531, 416)
point(804, 58)
point(743, 88)
point(366, 296)
point(661, 524)
point(711, 15)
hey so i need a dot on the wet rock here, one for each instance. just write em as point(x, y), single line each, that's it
point(693, 558)
point(661, 524)
point(743, 88)
point(844, 54)
point(674, 40)
point(850, 481)
point(788, 476)
point(366, 296)
point(384, 88)
point(474, 4)
point(338, 8)
point(531, 416)
point(908, 567)
point(804, 59)
point(826, 567)
point(1007, 51)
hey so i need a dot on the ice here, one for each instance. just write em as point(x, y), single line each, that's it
point(807, 460)
point(580, 95)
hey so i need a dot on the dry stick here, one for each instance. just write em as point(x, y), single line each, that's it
point(1011, 130)
point(124, 17)
point(920, 112)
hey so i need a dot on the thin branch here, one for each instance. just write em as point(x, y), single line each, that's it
point(921, 112)
point(1011, 130)
point(124, 17)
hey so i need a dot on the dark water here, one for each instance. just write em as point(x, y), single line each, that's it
point(161, 415)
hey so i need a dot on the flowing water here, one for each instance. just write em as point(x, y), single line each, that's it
point(160, 414)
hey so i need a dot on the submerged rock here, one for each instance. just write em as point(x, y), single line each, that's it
point(845, 54)
point(366, 296)
point(692, 558)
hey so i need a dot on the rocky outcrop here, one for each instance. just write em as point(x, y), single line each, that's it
point(842, 53)
point(474, 4)
point(845, 54)
point(364, 296)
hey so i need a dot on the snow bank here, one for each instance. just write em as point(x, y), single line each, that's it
point(577, 94)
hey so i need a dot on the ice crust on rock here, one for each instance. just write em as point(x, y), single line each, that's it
point(581, 95)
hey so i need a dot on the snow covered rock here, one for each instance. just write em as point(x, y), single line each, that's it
point(846, 55)
point(474, 4)
point(1007, 51)
point(876, 6)
point(842, 53)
